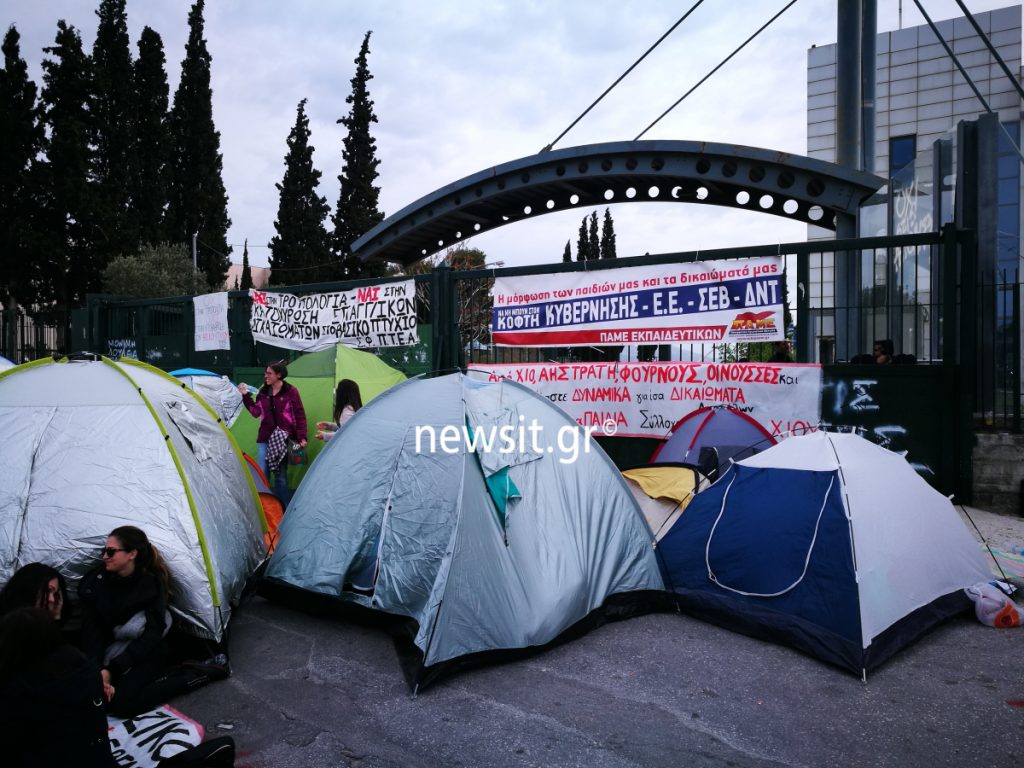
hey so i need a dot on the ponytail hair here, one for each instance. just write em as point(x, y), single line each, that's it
point(347, 393)
point(148, 557)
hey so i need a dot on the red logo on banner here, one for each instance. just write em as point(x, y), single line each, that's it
point(259, 297)
point(748, 321)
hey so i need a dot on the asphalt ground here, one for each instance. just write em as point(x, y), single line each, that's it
point(657, 690)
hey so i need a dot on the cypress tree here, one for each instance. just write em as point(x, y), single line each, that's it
point(593, 241)
point(198, 202)
point(68, 256)
point(300, 251)
point(246, 282)
point(567, 253)
point(152, 138)
point(112, 116)
point(608, 236)
point(357, 210)
point(583, 243)
point(21, 138)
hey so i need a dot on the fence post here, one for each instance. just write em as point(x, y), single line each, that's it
point(963, 326)
point(443, 327)
point(141, 321)
point(1015, 338)
point(10, 339)
point(804, 353)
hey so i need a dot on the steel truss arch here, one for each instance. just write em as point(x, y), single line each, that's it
point(729, 175)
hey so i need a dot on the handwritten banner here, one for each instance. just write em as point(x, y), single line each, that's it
point(211, 321)
point(711, 301)
point(373, 316)
point(647, 399)
point(144, 741)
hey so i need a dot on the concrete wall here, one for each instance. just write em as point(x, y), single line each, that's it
point(998, 473)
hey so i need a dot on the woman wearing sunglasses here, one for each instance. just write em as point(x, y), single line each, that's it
point(125, 620)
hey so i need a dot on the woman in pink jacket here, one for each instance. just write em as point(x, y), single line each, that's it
point(279, 407)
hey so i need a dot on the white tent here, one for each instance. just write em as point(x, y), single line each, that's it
point(99, 444)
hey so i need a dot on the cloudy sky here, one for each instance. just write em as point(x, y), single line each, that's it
point(461, 86)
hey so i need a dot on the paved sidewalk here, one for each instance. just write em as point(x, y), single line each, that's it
point(659, 690)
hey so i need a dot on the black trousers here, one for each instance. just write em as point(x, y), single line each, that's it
point(150, 684)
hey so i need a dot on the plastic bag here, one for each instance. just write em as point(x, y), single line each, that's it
point(296, 453)
point(992, 607)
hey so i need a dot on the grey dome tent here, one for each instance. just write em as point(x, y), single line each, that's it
point(219, 393)
point(98, 444)
point(484, 549)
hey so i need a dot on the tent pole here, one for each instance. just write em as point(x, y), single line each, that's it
point(985, 542)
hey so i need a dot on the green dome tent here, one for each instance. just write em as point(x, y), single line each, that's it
point(315, 375)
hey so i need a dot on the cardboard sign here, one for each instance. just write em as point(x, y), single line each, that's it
point(144, 740)
point(211, 322)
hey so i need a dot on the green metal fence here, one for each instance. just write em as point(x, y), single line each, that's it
point(957, 332)
point(162, 331)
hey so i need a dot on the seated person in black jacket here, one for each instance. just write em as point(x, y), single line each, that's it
point(51, 697)
point(52, 712)
point(125, 621)
point(36, 585)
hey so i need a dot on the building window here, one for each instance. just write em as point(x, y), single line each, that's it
point(902, 151)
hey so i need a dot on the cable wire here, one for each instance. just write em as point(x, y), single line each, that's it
point(988, 44)
point(720, 65)
point(623, 75)
point(963, 72)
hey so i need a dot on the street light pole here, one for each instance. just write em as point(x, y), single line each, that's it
point(195, 267)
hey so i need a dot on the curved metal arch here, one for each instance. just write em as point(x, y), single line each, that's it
point(791, 186)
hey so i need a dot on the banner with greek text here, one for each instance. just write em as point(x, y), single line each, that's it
point(211, 321)
point(373, 316)
point(710, 301)
point(647, 399)
point(144, 741)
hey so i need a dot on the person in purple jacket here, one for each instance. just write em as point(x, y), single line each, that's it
point(278, 406)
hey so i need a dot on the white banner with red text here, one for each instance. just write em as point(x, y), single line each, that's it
point(372, 316)
point(647, 399)
point(711, 301)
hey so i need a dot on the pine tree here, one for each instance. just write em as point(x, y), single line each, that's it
point(112, 113)
point(593, 241)
point(198, 202)
point(608, 236)
point(583, 243)
point(567, 253)
point(300, 251)
point(66, 237)
point(21, 138)
point(246, 282)
point(357, 210)
point(152, 138)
